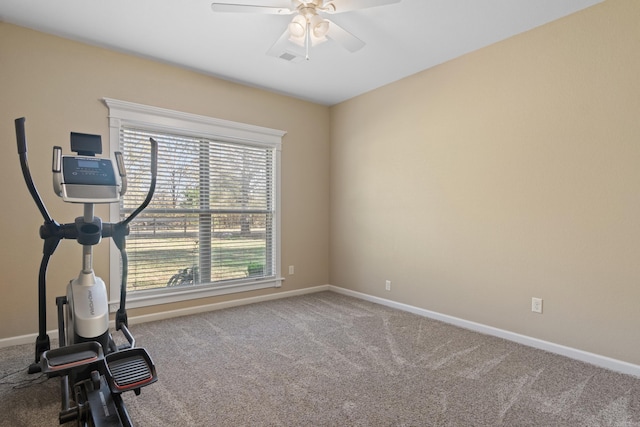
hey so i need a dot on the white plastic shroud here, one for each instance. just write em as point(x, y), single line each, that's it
point(88, 302)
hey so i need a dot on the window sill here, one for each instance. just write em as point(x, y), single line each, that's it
point(136, 299)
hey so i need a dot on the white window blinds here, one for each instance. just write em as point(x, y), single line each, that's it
point(211, 220)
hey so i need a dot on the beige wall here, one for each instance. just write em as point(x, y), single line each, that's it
point(58, 84)
point(512, 172)
point(509, 173)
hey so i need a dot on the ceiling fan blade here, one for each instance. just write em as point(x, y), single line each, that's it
point(283, 48)
point(248, 8)
point(344, 37)
point(338, 6)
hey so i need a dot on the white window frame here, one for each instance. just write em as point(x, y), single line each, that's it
point(129, 114)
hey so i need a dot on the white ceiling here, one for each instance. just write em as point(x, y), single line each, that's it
point(401, 39)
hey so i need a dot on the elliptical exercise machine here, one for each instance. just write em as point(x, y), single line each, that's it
point(94, 371)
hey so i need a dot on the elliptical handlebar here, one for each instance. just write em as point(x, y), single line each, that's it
point(152, 186)
point(121, 229)
point(24, 165)
point(20, 136)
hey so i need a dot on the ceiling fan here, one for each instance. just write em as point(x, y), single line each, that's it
point(308, 27)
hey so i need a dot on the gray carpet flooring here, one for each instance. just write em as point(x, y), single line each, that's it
point(330, 360)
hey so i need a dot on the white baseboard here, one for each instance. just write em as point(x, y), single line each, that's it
point(583, 356)
point(31, 338)
point(226, 304)
point(592, 358)
point(25, 339)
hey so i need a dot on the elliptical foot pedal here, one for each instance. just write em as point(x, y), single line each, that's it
point(61, 360)
point(130, 369)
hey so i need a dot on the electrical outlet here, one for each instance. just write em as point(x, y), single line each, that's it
point(387, 285)
point(536, 305)
point(292, 269)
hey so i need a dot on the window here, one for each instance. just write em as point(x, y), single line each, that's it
point(213, 224)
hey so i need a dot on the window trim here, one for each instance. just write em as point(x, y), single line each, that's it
point(124, 113)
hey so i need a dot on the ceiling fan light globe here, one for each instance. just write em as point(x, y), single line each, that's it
point(319, 26)
point(298, 26)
